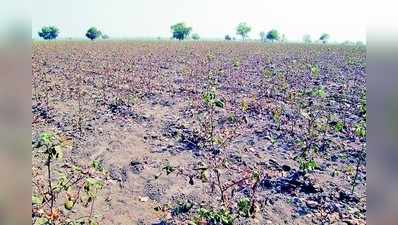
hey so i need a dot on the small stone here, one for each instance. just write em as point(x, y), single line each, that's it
point(144, 199)
point(312, 204)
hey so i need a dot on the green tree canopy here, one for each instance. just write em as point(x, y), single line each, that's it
point(180, 31)
point(93, 33)
point(243, 29)
point(324, 38)
point(48, 33)
point(227, 37)
point(273, 35)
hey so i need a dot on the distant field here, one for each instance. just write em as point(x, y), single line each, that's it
point(180, 132)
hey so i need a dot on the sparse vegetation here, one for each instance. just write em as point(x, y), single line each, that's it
point(46, 208)
point(201, 132)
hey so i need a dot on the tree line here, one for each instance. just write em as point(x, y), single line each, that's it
point(181, 31)
point(52, 32)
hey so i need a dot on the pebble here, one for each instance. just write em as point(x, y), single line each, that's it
point(312, 204)
point(144, 199)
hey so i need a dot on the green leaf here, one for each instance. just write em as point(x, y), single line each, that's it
point(37, 200)
point(360, 131)
point(219, 103)
point(244, 105)
point(320, 92)
point(314, 71)
point(339, 126)
point(255, 175)
point(97, 166)
point(92, 186)
point(244, 206)
point(61, 182)
point(209, 97)
point(42, 221)
point(308, 165)
point(46, 138)
point(204, 176)
point(267, 73)
point(169, 169)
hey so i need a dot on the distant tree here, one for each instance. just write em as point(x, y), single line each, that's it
point(180, 31)
point(105, 36)
point(324, 38)
point(273, 35)
point(195, 36)
point(93, 33)
point(307, 39)
point(243, 29)
point(48, 33)
point(263, 36)
point(227, 37)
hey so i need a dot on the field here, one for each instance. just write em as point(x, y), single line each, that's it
point(198, 132)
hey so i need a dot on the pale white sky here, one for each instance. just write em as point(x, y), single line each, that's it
point(342, 19)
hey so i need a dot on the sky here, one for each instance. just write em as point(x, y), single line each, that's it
point(342, 19)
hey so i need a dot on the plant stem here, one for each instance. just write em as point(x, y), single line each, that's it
point(79, 111)
point(220, 186)
point(233, 183)
point(253, 199)
point(356, 175)
point(211, 128)
point(91, 210)
point(49, 181)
